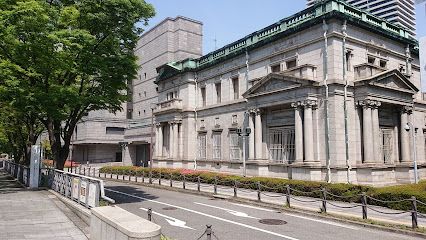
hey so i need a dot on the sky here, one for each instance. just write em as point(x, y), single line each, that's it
point(229, 20)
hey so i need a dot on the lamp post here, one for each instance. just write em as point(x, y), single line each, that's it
point(409, 126)
point(244, 132)
point(151, 145)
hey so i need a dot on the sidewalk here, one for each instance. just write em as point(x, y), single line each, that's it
point(33, 214)
point(353, 210)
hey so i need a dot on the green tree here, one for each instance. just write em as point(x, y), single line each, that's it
point(69, 57)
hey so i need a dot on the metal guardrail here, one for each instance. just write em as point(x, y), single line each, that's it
point(18, 171)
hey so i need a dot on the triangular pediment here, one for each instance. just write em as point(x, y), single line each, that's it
point(392, 80)
point(276, 82)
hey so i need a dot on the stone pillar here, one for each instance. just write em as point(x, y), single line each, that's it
point(377, 143)
point(258, 134)
point(367, 132)
point(156, 151)
point(251, 136)
point(175, 146)
point(171, 136)
point(405, 136)
point(160, 140)
point(308, 132)
point(180, 141)
point(298, 132)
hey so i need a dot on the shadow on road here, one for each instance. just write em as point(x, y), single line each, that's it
point(120, 198)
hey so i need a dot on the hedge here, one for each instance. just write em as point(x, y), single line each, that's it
point(347, 192)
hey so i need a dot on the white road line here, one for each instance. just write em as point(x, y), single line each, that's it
point(171, 220)
point(207, 215)
point(253, 207)
point(233, 212)
point(321, 221)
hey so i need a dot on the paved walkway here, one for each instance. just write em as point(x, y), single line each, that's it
point(32, 214)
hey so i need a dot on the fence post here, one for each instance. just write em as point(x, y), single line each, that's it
point(184, 182)
point(287, 195)
point(209, 232)
point(235, 188)
point(88, 173)
point(116, 176)
point(84, 171)
point(364, 205)
point(171, 179)
point(149, 214)
point(413, 212)
point(94, 172)
point(324, 200)
point(122, 176)
point(215, 185)
point(258, 191)
point(159, 179)
point(143, 176)
point(198, 183)
point(150, 177)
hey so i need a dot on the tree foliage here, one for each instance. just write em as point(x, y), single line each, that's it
point(60, 59)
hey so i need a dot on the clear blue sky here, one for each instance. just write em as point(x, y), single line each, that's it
point(230, 20)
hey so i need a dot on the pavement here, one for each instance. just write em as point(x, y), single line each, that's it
point(28, 214)
point(185, 216)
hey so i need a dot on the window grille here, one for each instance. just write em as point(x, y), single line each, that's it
point(217, 145)
point(202, 146)
point(386, 136)
point(281, 144)
point(234, 146)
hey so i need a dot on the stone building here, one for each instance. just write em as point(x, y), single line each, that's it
point(125, 136)
point(327, 94)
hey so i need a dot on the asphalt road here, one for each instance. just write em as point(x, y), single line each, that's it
point(185, 216)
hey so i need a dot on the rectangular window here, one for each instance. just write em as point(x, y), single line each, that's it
point(218, 92)
point(348, 61)
point(371, 60)
point(291, 64)
point(217, 145)
point(202, 149)
point(236, 87)
point(203, 96)
point(383, 63)
point(234, 146)
point(115, 130)
point(276, 68)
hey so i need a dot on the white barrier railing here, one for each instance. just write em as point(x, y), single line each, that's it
point(18, 171)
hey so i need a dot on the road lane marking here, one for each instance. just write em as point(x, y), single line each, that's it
point(322, 221)
point(206, 215)
point(233, 212)
point(171, 220)
point(253, 207)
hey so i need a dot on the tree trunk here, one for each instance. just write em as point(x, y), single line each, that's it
point(59, 151)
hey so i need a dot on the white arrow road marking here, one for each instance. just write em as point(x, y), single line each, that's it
point(233, 212)
point(172, 221)
point(253, 207)
point(207, 215)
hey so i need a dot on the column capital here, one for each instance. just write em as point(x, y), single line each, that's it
point(296, 104)
point(369, 103)
point(158, 124)
point(407, 109)
point(309, 103)
point(256, 111)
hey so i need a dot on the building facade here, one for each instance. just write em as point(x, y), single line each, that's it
point(326, 93)
point(400, 12)
point(126, 136)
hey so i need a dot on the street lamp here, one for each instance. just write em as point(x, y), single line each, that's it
point(151, 144)
point(244, 132)
point(407, 128)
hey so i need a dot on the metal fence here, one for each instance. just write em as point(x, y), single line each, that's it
point(18, 171)
point(289, 195)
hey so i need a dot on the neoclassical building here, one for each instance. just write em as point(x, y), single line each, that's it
point(328, 94)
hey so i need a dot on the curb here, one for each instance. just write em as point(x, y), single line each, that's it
point(82, 212)
point(392, 227)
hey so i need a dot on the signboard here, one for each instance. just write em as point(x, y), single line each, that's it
point(75, 183)
point(91, 201)
point(83, 190)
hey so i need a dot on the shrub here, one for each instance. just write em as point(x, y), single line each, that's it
point(386, 196)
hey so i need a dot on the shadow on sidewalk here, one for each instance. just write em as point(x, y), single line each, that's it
point(8, 184)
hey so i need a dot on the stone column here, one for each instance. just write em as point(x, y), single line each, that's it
point(251, 136)
point(405, 136)
point(298, 132)
point(367, 132)
point(175, 146)
point(171, 138)
point(156, 141)
point(377, 145)
point(308, 133)
point(159, 138)
point(258, 134)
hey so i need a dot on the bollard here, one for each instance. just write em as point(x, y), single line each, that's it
point(171, 180)
point(116, 176)
point(258, 191)
point(149, 214)
point(414, 212)
point(136, 178)
point(324, 201)
point(94, 172)
point(184, 182)
point(287, 195)
point(209, 232)
point(84, 171)
point(198, 183)
point(159, 179)
point(130, 178)
point(235, 188)
point(150, 177)
point(68, 169)
point(215, 185)
point(364, 205)
point(88, 172)
point(143, 176)
point(122, 177)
